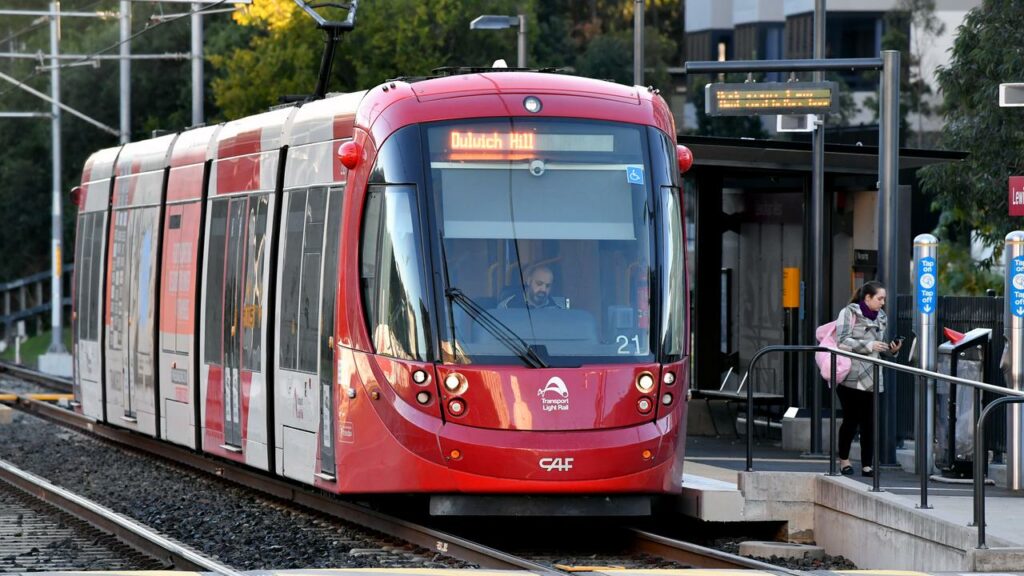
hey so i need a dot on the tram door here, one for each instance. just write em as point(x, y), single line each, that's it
point(327, 344)
point(233, 281)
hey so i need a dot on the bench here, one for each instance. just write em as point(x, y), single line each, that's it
point(736, 398)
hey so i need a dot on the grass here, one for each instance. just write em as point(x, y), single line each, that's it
point(34, 347)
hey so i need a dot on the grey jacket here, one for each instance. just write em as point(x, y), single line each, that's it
point(855, 333)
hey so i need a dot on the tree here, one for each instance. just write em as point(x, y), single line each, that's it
point(391, 39)
point(907, 28)
point(161, 98)
point(973, 193)
point(411, 38)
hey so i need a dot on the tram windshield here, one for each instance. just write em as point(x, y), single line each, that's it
point(546, 230)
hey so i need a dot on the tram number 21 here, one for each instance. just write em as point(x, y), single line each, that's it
point(624, 344)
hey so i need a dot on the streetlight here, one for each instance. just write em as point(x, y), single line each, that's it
point(493, 22)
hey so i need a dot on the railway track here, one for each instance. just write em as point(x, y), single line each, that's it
point(441, 542)
point(44, 541)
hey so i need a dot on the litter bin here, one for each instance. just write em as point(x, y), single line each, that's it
point(964, 356)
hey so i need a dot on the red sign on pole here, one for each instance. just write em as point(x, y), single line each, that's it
point(1016, 196)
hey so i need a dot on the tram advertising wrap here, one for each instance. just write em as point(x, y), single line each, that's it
point(466, 286)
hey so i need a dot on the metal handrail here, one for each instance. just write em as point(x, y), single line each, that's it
point(1010, 395)
point(979, 464)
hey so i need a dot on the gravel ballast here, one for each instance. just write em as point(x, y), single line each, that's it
point(231, 524)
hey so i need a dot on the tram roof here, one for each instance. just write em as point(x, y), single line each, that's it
point(788, 155)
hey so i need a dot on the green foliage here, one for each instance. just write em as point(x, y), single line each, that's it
point(915, 93)
point(411, 38)
point(960, 274)
point(34, 347)
point(973, 193)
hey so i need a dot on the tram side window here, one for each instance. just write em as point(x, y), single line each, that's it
point(252, 308)
point(290, 275)
point(309, 303)
point(300, 292)
point(83, 264)
point(332, 241)
point(393, 279)
point(673, 324)
point(214, 290)
point(95, 282)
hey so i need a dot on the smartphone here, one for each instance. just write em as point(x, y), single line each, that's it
point(898, 340)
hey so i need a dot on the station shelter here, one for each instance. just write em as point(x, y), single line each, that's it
point(749, 242)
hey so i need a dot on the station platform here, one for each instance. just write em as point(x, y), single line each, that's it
point(876, 530)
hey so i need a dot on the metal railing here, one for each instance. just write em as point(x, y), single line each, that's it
point(25, 299)
point(1009, 396)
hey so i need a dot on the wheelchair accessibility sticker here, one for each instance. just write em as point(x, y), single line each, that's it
point(635, 174)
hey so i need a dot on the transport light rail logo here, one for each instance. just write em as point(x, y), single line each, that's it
point(556, 464)
point(560, 400)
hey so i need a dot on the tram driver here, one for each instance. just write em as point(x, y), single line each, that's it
point(537, 293)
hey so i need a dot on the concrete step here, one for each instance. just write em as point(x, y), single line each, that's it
point(711, 500)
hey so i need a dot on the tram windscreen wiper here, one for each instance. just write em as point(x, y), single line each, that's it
point(500, 331)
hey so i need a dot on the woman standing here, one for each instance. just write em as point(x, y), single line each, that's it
point(861, 329)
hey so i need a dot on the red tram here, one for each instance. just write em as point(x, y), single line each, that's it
point(466, 285)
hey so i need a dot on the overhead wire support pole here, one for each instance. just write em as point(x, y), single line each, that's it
point(819, 270)
point(57, 229)
point(125, 71)
point(889, 258)
point(198, 114)
point(638, 42)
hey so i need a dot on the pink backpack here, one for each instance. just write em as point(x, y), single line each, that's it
point(826, 335)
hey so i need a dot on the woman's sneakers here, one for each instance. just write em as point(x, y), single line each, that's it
point(866, 471)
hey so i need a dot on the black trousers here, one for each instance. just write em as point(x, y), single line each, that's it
point(857, 414)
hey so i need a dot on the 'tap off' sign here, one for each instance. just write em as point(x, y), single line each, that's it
point(926, 281)
point(1017, 286)
point(1016, 200)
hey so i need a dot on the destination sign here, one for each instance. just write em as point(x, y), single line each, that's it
point(764, 98)
point(494, 145)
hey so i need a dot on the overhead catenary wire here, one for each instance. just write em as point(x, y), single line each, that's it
point(94, 55)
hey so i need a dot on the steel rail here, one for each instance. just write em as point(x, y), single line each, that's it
point(428, 538)
point(699, 556)
point(47, 380)
point(137, 535)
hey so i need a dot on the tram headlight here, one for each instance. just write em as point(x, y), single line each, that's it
point(645, 382)
point(423, 397)
point(669, 378)
point(666, 398)
point(420, 376)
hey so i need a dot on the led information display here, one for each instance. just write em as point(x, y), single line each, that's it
point(494, 145)
point(753, 98)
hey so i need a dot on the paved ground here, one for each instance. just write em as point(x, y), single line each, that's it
point(722, 457)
